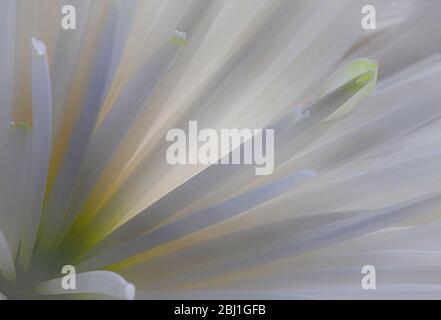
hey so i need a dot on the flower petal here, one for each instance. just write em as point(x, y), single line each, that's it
point(7, 266)
point(106, 283)
point(362, 88)
point(201, 220)
point(38, 161)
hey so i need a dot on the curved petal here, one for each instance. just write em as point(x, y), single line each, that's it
point(94, 282)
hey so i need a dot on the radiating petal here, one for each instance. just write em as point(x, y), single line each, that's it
point(7, 266)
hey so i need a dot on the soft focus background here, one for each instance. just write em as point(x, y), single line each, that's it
point(83, 176)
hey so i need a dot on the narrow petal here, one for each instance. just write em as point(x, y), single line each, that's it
point(7, 266)
point(38, 162)
point(61, 193)
point(201, 220)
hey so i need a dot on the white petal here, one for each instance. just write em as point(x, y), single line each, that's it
point(115, 126)
point(94, 282)
point(7, 266)
point(201, 220)
point(7, 45)
point(61, 193)
point(38, 162)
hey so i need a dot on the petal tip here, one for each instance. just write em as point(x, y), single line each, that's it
point(39, 46)
point(130, 291)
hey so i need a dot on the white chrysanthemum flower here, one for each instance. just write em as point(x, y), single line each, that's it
point(84, 181)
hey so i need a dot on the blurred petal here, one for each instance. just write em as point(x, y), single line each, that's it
point(94, 282)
